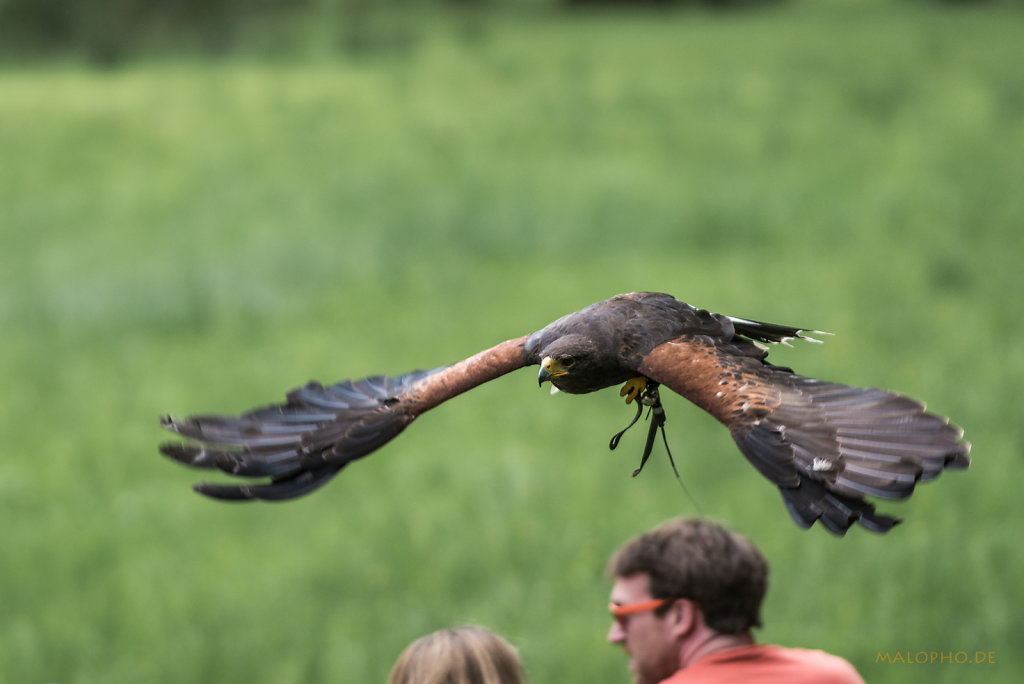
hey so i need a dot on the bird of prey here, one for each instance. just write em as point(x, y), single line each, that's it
point(826, 446)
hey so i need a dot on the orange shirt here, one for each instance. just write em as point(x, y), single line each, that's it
point(767, 664)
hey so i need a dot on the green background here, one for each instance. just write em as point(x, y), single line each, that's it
point(186, 233)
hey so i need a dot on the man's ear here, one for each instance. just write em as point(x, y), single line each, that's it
point(686, 617)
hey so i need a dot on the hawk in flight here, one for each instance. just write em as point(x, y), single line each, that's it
point(826, 446)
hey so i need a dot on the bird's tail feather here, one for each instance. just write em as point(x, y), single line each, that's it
point(300, 444)
point(827, 446)
point(772, 333)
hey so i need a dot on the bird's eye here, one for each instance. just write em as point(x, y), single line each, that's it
point(568, 362)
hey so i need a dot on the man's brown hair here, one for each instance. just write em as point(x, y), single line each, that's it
point(697, 559)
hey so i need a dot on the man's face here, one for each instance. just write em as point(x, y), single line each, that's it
point(645, 637)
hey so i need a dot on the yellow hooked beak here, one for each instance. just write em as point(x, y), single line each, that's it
point(550, 368)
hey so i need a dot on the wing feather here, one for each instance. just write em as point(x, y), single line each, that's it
point(825, 445)
point(304, 442)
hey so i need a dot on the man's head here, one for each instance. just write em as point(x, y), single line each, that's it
point(714, 579)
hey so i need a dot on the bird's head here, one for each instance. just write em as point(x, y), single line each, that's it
point(553, 369)
point(571, 364)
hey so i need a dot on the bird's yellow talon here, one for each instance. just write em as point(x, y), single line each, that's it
point(633, 388)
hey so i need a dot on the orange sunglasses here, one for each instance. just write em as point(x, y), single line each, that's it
point(619, 612)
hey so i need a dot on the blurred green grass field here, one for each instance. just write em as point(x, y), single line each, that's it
point(183, 236)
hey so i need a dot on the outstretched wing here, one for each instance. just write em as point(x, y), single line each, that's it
point(825, 445)
point(301, 444)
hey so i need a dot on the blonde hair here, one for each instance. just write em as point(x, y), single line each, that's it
point(464, 655)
